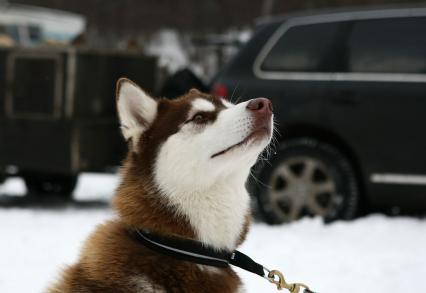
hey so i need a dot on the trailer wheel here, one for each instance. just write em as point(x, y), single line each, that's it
point(50, 184)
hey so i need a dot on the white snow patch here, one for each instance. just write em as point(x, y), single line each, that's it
point(167, 45)
point(36, 244)
point(177, 50)
point(13, 186)
point(371, 254)
point(96, 186)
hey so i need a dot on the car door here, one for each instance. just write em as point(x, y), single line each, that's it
point(379, 106)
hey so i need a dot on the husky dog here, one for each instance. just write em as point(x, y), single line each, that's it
point(184, 176)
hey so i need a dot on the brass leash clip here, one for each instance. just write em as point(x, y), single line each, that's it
point(277, 278)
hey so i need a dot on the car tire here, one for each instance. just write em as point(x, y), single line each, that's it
point(307, 177)
point(50, 184)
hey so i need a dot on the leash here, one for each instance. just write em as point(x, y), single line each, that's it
point(196, 252)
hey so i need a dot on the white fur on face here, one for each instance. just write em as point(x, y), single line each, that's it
point(210, 191)
point(202, 105)
point(227, 104)
point(134, 106)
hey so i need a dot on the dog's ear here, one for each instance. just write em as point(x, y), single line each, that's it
point(136, 109)
point(194, 91)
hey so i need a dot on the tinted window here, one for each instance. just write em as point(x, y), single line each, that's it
point(314, 47)
point(388, 45)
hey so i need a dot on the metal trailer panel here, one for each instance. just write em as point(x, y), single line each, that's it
point(57, 107)
point(96, 73)
point(96, 140)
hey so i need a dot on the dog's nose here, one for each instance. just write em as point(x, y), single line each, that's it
point(260, 105)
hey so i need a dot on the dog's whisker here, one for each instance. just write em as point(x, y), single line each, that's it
point(233, 92)
point(258, 181)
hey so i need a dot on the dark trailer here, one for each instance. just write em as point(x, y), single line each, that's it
point(57, 112)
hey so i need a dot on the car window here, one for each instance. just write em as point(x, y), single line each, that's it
point(388, 46)
point(309, 48)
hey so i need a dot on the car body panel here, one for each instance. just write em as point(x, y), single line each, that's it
point(378, 119)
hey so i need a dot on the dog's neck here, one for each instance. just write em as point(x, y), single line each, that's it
point(217, 216)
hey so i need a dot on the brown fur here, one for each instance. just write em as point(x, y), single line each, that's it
point(111, 261)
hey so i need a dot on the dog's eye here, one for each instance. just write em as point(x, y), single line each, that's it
point(198, 117)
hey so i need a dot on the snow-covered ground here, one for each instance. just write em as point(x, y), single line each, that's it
point(371, 254)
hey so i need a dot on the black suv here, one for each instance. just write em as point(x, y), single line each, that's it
point(349, 95)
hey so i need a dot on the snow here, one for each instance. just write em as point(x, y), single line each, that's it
point(371, 254)
point(176, 50)
point(167, 45)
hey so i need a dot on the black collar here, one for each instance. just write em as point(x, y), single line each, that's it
point(196, 252)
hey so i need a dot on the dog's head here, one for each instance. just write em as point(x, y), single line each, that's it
point(193, 142)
